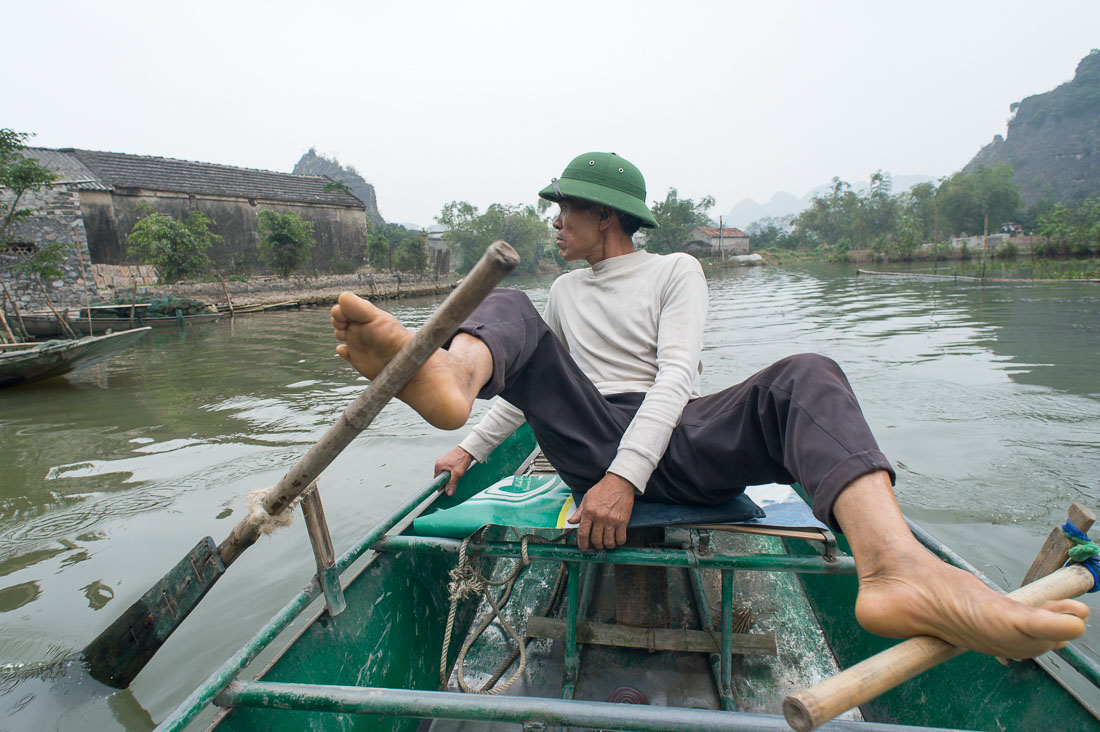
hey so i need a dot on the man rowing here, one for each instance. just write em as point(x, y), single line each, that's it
point(609, 382)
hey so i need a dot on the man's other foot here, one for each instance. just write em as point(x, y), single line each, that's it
point(929, 597)
point(372, 337)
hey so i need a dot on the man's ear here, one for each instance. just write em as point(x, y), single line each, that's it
point(604, 216)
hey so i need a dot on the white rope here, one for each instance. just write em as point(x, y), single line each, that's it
point(465, 581)
point(264, 522)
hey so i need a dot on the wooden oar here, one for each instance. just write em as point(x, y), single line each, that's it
point(806, 710)
point(128, 644)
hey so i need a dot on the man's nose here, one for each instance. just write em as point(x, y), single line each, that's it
point(557, 222)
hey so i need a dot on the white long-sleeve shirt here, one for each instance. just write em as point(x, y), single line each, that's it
point(632, 323)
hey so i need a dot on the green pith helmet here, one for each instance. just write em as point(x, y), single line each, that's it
point(603, 178)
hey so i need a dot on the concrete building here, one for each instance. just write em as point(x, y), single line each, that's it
point(704, 241)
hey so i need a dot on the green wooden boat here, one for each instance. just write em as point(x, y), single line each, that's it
point(39, 361)
point(760, 616)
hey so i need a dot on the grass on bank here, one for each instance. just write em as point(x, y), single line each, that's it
point(1000, 264)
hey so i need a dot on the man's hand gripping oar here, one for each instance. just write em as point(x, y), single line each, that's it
point(128, 644)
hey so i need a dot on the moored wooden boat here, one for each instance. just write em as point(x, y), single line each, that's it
point(45, 326)
point(376, 665)
point(36, 362)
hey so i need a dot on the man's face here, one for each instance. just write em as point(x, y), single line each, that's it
point(578, 228)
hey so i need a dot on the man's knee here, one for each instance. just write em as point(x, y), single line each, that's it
point(809, 364)
point(511, 301)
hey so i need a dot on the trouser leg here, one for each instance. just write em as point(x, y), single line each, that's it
point(797, 420)
point(577, 428)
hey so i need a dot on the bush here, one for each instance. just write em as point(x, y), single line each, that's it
point(286, 239)
point(176, 248)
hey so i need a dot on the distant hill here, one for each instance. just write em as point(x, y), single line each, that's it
point(1053, 140)
point(313, 164)
point(746, 211)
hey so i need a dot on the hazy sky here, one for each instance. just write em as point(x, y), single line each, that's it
point(486, 101)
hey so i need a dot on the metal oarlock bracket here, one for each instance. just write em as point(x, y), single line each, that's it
point(321, 540)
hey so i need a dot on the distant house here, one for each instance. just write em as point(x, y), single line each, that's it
point(704, 241)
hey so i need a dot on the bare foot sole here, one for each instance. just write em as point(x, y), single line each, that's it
point(372, 337)
point(933, 598)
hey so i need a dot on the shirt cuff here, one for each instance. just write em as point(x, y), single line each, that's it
point(634, 467)
point(477, 446)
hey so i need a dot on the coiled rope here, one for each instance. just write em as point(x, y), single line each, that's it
point(465, 581)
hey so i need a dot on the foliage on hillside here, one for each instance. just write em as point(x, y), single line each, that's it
point(896, 224)
point(1053, 140)
point(312, 163)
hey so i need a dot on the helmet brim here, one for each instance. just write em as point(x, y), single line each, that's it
point(601, 194)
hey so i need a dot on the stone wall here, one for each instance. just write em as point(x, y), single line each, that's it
point(56, 218)
point(340, 233)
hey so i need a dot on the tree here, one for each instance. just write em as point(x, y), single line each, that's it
point(463, 233)
point(286, 239)
point(411, 255)
point(336, 186)
point(176, 248)
point(470, 232)
point(1071, 228)
point(676, 218)
point(967, 200)
point(19, 175)
point(384, 243)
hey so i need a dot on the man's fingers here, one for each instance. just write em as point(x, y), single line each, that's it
point(609, 536)
point(620, 533)
point(582, 534)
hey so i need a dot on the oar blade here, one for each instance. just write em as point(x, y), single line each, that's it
point(117, 655)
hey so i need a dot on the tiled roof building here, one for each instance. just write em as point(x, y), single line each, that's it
point(113, 186)
point(121, 170)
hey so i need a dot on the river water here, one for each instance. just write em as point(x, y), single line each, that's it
point(987, 399)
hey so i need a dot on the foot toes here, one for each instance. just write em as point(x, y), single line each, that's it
point(354, 308)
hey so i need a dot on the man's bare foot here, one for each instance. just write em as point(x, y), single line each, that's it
point(442, 391)
point(905, 591)
point(934, 598)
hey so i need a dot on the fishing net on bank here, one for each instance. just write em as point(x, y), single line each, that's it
point(165, 307)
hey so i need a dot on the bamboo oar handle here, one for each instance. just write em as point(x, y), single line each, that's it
point(806, 710)
point(498, 260)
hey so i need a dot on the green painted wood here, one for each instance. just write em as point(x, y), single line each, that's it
point(119, 653)
point(391, 632)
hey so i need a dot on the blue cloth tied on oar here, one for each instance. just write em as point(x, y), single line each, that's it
point(1083, 552)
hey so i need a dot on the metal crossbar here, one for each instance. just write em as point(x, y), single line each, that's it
point(518, 709)
point(653, 557)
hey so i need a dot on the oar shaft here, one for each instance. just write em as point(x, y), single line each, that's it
point(806, 710)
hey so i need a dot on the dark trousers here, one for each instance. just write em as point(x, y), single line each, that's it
point(796, 420)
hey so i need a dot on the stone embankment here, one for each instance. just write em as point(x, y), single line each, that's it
point(307, 291)
point(107, 282)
